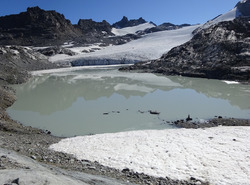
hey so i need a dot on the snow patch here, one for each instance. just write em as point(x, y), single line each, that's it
point(231, 82)
point(219, 155)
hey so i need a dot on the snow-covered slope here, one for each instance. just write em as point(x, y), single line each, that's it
point(237, 11)
point(131, 30)
point(150, 46)
point(219, 155)
point(231, 15)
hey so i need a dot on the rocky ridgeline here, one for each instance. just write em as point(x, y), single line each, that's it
point(36, 27)
point(164, 27)
point(221, 51)
point(88, 26)
point(124, 22)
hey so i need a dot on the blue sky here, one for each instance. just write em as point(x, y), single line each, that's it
point(157, 11)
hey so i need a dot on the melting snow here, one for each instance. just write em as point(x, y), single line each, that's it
point(219, 155)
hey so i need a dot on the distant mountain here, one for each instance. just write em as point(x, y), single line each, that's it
point(163, 27)
point(36, 27)
point(88, 26)
point(135, 30)
point(124, 22)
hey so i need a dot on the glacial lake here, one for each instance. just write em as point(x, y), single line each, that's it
point(93, 100)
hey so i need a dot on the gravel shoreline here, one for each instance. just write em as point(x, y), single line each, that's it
point(34, 143)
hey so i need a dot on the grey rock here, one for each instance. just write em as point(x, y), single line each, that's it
point(219, 52)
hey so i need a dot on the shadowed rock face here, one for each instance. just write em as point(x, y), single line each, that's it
point(244, 8)
point(35, 27)
point(221, 52)
point(88, 26)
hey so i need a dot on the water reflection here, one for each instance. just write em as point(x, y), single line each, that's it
point(61, 90)
point(74, 102)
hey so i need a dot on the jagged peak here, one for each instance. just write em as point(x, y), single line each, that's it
point(34, 9)
point(124, 22)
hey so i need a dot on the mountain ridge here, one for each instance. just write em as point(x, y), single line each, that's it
point(38, 27)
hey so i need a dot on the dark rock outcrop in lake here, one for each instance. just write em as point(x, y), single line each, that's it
point(36, 27)
point(124, 22)
point(221, 51)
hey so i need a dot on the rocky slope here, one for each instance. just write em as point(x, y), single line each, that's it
point(36, 27)
point(15, 61)
point(221, 51)
point(88, 26)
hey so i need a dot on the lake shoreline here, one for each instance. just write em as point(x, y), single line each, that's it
point(34, 143)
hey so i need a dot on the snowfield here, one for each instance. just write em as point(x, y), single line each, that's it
point(219, 155)
point(149, 47)
point(131, 30)
point(229, 16)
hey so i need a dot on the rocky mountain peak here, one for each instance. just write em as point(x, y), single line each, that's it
point(124, 22)
point(88, 26)
point(35, 9)
point(36, 26)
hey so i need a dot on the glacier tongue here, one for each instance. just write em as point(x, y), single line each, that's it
point(150, 46)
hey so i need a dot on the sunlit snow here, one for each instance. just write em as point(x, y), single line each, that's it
point(150, 46)
point(219, 155)
point(131, 30)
